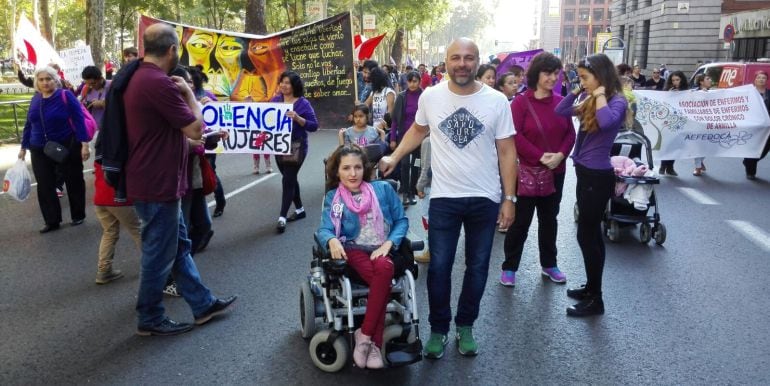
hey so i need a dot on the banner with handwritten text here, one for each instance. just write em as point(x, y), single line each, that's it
point(730, 122)
point(259, 128)
point(75, 60)
point(240, 66)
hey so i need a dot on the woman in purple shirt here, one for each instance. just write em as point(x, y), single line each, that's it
point(292, 90)
point(601, 116)
point(543, 140)
point(403, 116)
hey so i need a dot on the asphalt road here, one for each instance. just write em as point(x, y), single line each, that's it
point(694, 311)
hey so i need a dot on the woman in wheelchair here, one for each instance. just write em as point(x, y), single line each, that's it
point(362, 222)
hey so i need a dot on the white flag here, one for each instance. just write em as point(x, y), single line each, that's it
point(30, 46)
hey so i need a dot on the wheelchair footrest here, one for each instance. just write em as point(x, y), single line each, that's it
point(403, 354)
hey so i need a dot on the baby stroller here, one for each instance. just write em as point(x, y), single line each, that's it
point(333, 303)
point(620, 211)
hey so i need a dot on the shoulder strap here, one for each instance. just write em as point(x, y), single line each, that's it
point(537, 121)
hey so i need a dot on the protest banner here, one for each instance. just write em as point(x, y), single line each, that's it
point(243, 65)
point(730, 122)
point(258, 128)
point(522, 59)
point(75, 60)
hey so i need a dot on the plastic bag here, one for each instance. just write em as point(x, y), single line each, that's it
point(18, 182)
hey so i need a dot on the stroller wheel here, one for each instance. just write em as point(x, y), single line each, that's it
point(645, 233)
point(612, 229)
point(659, 233)
point(329, 357)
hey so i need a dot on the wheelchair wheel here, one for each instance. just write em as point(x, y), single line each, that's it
point(306, 310)
point(329, 357)
point(612, 230)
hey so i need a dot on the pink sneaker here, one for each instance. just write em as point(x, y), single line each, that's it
point(374, 360)
point(361, 351)
point(555, 275)
point(508, 278)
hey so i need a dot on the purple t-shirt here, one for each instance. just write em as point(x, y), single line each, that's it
point(156, 112)
point(97, 95)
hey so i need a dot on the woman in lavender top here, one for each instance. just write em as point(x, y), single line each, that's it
point(292, 90)
point(601, 115)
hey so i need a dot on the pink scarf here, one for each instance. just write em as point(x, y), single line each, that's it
point(369, 203)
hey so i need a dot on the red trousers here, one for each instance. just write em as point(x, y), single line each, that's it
point(378, 274)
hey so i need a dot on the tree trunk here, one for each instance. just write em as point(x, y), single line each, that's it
point(95, 30)
point(397, 51)
point(255, 17)
point(45, 17)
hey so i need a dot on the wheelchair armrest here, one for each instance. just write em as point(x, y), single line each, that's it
point(418, 245)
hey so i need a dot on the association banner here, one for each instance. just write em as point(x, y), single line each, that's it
point(730, 122)
point(239, 66)
point(261, 128)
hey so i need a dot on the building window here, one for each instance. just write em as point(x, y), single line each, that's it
point(569, 2)
point(582, 31)
point(750, 49)
point(569, 32)
point(644, 44)
point(583, 14)
point(633, 5)
point(569, 15)
point(598, 1)
point(585, 2)
point(620, 6)
point(598, 15)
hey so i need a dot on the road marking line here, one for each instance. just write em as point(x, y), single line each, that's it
point(698, 196)
point(35, 183)
point(213, 203)
point(752, 232)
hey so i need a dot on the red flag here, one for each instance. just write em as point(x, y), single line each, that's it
point(364, 48)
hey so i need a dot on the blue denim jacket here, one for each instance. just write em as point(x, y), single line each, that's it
point(392, 212)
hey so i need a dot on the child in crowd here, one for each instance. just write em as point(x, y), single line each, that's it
point(423, 191)
point(268, 165)
point(361, 133)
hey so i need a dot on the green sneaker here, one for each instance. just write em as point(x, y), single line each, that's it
point(434, 349)
point(466, 345)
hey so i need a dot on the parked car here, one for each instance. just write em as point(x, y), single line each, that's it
point(731, 74)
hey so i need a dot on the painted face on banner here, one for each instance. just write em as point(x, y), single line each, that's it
point(227, 52)
point(199, 47)
point(351, 172)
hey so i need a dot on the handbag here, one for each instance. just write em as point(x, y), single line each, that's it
point(208, 175)
point(294, 158)
point(535, 181)
point(52, 149)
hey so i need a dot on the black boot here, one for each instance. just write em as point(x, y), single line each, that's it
point(591, 305)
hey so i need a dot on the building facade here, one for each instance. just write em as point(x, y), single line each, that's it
point(751, 30)
point(550, 26)
point(676, 33)
point(581, 20)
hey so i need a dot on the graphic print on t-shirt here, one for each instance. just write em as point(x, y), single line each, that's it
point(461, 127)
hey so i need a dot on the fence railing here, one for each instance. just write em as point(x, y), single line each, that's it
point(10, 113)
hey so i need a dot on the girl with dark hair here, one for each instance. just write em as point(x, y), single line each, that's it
point(543, 140)
point(601, 116)
point(361, 133)
point(677, 81)
point(362, 222)
point(403, 117)
point(381, 100)
point(508, 84)
point(486, 74)
point(292, 90)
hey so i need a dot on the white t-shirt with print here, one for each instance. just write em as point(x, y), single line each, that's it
point(380, 104)
point(463, 133)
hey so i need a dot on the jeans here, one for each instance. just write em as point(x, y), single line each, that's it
point(219, 192)
point(477, 215)
point(111, 218)
point(547, 211)
point(594, 189)
point(409, 174)
point(166, 249)
point(196, 217)
point(47, 174)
